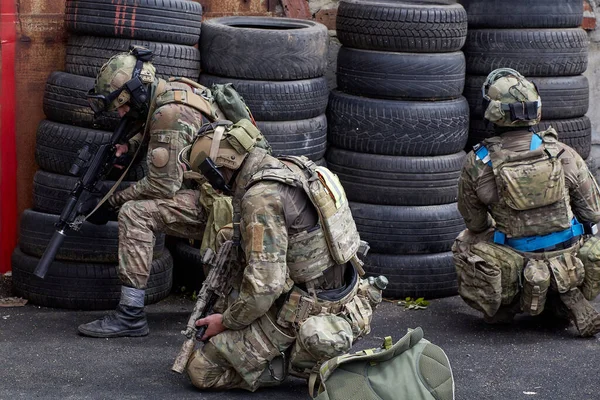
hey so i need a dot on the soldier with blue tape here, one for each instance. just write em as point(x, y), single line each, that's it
point(530, 206)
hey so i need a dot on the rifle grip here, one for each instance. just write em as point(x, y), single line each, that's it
point(200, 332)
point(53, 246)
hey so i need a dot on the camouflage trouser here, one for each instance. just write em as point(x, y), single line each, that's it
point(501, 281)
point(262, 354)
point(179, 216)
point(240, 359)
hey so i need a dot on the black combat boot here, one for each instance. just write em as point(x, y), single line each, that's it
point(128, 319)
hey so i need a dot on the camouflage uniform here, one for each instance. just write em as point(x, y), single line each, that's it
point(523, 196)
point(277, 224)
point(159, 202)
point(498, 295)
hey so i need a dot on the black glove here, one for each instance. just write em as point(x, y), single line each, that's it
point(103, 214)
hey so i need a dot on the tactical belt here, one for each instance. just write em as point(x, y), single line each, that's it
point(552, 241)
point(299, 304)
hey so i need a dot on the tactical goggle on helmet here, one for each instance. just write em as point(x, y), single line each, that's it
point(122, 80)
point(510, 100)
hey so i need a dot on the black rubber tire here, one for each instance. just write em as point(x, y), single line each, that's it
point(321, 162)
point(593, 161)
point(87, 54)
point(397, 127)
point(188, 268)
point(51, 191)
point(421, 275)
point(84, 286)
point(307, 137)
point(562, 96)
point(65, 101)
point(57, 146)
point(264, 48)
point(170, 21)
point(408, 230)
point(279, 100)
point(575, 133)
point(418, 27)
point(92, 243)
point(478, 131)
point(532, 52)
point(393, 75)
point(521, 14)
point(399, 181)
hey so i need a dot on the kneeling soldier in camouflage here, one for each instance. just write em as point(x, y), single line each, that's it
point(530, 206)
point(301, 301)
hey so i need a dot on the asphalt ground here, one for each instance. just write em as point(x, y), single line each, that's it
point(43, 357)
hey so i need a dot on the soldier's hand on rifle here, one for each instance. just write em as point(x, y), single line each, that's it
point(214, 324)
point(121, 149)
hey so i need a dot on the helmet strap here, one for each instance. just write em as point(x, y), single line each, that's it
point(216, 141)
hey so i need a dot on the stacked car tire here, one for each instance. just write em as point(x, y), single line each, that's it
point(543, 41)
point(84, 273)
point(397, 128)
point(278, 66)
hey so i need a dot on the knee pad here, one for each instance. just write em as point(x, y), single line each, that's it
point(203, 367)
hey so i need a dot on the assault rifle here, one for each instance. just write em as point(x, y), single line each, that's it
point(217, 284)
point(91, 168)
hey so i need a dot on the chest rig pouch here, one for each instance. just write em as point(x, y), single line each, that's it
point(534, 199)
point(338, 231)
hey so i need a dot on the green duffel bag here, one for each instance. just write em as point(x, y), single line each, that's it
point(411, 369)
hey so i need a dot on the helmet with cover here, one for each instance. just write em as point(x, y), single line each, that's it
point(124, 79)
point(510, 100)
point(223, 145)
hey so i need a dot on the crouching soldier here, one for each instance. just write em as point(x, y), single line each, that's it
point(301, 300)
point(530, 206)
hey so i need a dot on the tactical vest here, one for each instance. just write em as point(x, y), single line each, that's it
point(533, 197)
point(191, 94)
point(337, 240)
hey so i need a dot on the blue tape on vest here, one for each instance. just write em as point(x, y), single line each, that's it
point(483, 154)
point(536, 141)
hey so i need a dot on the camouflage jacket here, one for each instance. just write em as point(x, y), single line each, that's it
point(170, 128)
point(477, 186)
point(271, 214)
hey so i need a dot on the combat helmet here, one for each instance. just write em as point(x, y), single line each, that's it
point(222, 144)
point(124, 79)
point(510, 100)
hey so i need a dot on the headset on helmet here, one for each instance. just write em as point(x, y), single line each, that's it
point(133, 91)
point(510, 100)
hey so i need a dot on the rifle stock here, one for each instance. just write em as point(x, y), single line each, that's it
point(95, 171)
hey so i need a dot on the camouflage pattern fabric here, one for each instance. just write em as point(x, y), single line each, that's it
point(589, 254)
point(480, 279)
point(478, 190)
point(220, 215)
point(138, 220)
point(510, 89)
point(159, 202)
point(171, 127)
point(116, 72)
point(533, 196)
point(272, 214)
